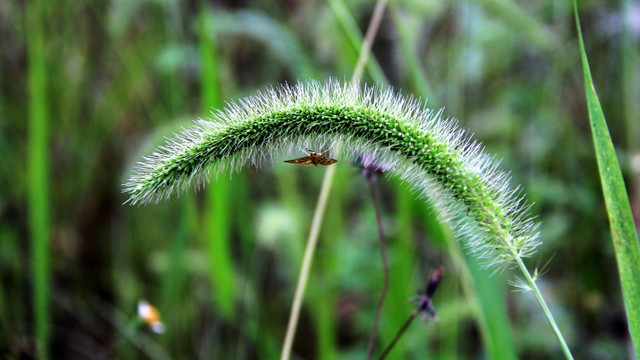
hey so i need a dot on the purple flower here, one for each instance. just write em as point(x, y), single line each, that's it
point(371, 168)
point(425, 306)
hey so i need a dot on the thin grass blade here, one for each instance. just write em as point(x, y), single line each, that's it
point(38, 173)
point(216, 216)
point(623, 231)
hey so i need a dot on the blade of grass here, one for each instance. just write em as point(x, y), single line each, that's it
point(279, 39)
point(397, 336)
point(524, 23)
point(350, 27)
point(490, 291)
point(327, 269)
point(215, 214)
point(417, 76)
point(623, 231)
point(134, 76)
point(173, 279)
point(38, 172)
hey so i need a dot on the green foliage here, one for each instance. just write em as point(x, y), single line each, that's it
point(216, 213)
point(122, 76)
point(276, 37)
point(38, 173)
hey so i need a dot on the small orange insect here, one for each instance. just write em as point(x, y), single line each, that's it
point(150, 315)
point(314, 158)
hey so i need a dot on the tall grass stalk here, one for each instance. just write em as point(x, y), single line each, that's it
point(306, 263)
point(350, 27)
point(329, 266)
point(417, 76)
point(623, 230)
point(318, 215)
point(38, 171)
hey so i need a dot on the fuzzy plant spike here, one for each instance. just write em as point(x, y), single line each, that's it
point(439, 160)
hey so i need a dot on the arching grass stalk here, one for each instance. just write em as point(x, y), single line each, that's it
point(430, 153)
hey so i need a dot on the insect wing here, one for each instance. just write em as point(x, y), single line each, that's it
point(325, 161)
point(306, 161)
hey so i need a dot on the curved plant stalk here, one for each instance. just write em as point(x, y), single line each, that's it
point(430, 153)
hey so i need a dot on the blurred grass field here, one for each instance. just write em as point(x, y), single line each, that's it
point(88, 87)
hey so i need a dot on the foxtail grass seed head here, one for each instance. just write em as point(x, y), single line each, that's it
point(435, 157)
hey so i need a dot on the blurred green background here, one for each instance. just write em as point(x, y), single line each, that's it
point(88, 87)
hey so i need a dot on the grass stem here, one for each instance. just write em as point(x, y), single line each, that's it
point(306, 262)
point(324, 195)
point(372, 30)
point(404, 328)
point(545, 308)
point(385, 267)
